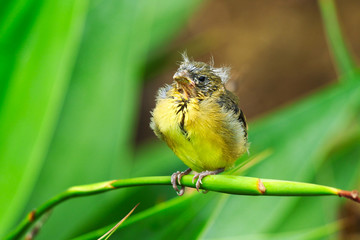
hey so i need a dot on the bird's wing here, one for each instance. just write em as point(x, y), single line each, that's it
point(230, 102)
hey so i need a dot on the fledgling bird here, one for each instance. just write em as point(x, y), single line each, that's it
point(200, 121)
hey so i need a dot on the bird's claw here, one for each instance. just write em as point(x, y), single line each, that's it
point(176, 180)
point(200, 176)
point(179, 176)
point(173, 180)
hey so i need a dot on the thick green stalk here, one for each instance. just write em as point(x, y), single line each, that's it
point(343, 60)
point(219, 183)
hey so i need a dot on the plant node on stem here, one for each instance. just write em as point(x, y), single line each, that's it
point(353, 195)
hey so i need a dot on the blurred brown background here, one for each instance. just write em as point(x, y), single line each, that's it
point(277, 51)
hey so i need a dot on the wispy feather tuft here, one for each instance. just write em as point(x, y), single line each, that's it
point(223, 72)
point(185, 58)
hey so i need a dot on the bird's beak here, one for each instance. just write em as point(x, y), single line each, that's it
point(182, 77)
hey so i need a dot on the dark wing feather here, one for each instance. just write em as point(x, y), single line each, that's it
point(230, 102)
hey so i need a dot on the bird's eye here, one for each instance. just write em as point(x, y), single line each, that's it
point(202, 78)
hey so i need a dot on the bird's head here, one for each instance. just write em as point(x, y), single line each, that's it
point(198, 79)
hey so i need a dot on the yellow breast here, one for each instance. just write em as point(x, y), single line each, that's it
point(202, 134)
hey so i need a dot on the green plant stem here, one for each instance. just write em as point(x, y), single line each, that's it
point(219, 183)
point(343, 60)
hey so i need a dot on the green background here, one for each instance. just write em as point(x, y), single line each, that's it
point(72, 74)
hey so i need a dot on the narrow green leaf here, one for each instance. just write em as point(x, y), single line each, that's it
point(112, 230)
point(33, 100)
point(344, 60)
point(17, 19)
point(314, 233)
point(93, 140)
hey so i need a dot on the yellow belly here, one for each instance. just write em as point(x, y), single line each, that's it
point(206, 142)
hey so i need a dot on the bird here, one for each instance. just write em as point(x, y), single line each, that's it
point(200, 120)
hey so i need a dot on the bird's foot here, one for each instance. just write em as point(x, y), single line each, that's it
point(200, 176)
point(176, 179)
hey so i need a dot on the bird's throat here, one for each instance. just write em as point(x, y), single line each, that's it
point(187, 90)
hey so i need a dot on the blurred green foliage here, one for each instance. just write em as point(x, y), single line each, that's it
point(71, 78)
